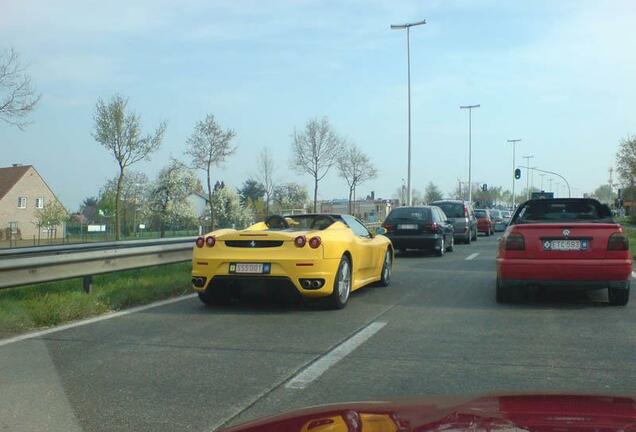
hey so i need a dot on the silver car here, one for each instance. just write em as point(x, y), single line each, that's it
point(498, 219)
point(462, 215)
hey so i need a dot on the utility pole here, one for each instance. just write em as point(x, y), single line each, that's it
point(527, 158)
point(542, 175)
point(408, 26)
point(514, 166)
point(550, 182)
point(609, 194)
point(470, 156)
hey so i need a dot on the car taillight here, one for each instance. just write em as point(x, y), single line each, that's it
point(210, 241)
point(388, 227)
point(432, 227)
point(465, 212)
point(314, 242)
point(300, 241)
point(515, 241)
point(618, 242)
point(200, 242)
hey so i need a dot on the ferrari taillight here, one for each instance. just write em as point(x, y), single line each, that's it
point(210, 241)
point(314, 242)
point(515, 242)
point(200, 242)
point(618, 242)
point(300, 241)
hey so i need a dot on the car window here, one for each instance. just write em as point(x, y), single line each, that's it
point(555, 210)
point(481, 213)
point(410, 214)
point(451, 210)
point(356, 226)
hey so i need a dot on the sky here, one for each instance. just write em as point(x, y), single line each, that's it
point(558, 75)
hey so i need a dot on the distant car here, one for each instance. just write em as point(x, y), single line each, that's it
point(462, 215)
point(485, 223)
point(497, 217)
point(506, 216)
point(425, 228)
point(565, 242)
point(312, 255)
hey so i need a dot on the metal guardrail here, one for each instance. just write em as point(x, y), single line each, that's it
point(49, 263)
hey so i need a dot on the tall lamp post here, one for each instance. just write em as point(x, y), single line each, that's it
point(514, 166)
point(408, 26)
point(527, 158)
point(470, 156)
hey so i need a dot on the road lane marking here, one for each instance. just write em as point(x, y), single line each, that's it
point(83, 322)
point(322, 364)
point(472, 256)
point(634, 274)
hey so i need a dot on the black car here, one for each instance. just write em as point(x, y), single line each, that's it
point(425, 227)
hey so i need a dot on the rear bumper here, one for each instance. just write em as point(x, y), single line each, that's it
point(483, 228)
point(563, 272)
point(574, 285)
point(419, 241)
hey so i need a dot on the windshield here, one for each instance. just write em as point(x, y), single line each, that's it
point(481, 213)
point(452, 210)
point(557, 211)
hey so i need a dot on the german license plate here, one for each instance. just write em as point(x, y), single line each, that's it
point(407, 226)
point(249, 268)
point(565, 245)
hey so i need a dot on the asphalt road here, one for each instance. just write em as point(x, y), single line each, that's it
point(435, 331)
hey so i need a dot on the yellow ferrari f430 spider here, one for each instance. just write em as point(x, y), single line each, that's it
point(314, 255)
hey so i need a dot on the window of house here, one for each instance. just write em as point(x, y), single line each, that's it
point(13, 227)
point(39, 203)
point(21, 202)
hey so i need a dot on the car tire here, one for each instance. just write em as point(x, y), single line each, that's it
point(502, 292)
point(387, 269)
point(468, 239)
point(341, 284)
point(451, 247)
point(442, 248)
point(618, 296)
point(475, 236)
point(218, 297)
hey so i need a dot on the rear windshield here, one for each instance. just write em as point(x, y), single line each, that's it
point(299, 222)
point(409, 214)
point(452, 210)
point(566, 210)
point(480, 213)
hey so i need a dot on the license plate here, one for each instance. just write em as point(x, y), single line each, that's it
point(249, 268)
point(407, 227)
point(565, 245)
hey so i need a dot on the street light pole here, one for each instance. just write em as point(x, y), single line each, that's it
point(408, 26)
point(527, 158)
point(542, 175)
point(514, 166)
point(470, 158)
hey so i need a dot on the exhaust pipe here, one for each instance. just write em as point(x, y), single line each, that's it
point(315, 284)
point(306, 283)
point(198, 282)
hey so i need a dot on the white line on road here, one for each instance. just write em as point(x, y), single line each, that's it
point(322, 364)
point(104, 317)
point(634, 274)
point(472, 256)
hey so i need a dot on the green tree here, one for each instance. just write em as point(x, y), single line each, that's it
point(604, 193)
point(119, 131)
point(228, 211)
point(133, 201)
point(251, 191)
point(209, 146)
point(626, 160)
point(51, 216)
point(169, 196)
point(432, 193)
point(290, 196)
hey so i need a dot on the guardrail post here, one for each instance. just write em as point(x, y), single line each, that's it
point(87, 283)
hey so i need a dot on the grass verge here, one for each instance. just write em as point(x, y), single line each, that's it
point(630, 230)
point(48, 304)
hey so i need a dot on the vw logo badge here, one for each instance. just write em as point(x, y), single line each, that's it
point(566, 232)
point(253, 243)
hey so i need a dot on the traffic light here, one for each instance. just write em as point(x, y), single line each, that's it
point(517, 173)
point(484, 187)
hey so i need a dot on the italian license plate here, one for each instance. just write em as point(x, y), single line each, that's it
point(565, 245)
point(407, 226)
point(249, 268)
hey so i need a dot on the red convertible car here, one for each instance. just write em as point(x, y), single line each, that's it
point(569, 242)
point(561, 413)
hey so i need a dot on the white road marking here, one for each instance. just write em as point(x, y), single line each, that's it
point(83, 322)
point(322, 364)
point(634, 274)
point(472, 256)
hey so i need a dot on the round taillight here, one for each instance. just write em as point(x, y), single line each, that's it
point(210, 241)
point(300, 241)
point(200, 242)
point(314, 242)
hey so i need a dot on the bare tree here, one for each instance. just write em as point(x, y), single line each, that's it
point(266, 175)
point(432, 193)
point(315, 151)
point(120, 133)
point(355, 167)
point(17, 96)
point(209, 146)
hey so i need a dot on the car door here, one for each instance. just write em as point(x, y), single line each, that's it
point(363, 250)
point(442, 221)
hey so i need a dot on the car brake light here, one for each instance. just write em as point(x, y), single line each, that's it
point(432, 227)
point(300, 241)
point(618, 242)
point(200, 242)
point(314, 242)
point(515, 241)
point(210, 241)
point(465, 211)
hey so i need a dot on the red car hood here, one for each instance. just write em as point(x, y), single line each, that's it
point(533, 412)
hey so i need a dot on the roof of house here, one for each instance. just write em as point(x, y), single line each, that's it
point(9, 176)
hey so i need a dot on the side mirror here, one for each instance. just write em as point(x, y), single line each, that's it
point(380, 231)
